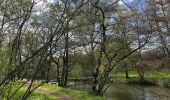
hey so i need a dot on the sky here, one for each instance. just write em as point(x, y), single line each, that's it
point(53, 1)
point(42, 6)
point(127, 1)
point(42, 2)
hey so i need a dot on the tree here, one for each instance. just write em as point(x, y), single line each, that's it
point(45, 30)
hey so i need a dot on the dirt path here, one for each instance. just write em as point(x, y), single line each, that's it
point(60, 96)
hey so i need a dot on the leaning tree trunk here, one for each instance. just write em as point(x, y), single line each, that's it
point(99, 80)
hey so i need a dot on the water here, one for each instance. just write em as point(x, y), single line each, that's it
point(129, 92)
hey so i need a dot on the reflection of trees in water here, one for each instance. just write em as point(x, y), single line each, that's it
point(148, 93)
point(122, 94)
point(129, 92)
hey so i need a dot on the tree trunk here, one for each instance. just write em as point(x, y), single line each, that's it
point(127, 74)
point(141, 75)
point(64, 77)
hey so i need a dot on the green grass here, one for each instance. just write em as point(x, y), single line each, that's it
point(155, 77)
point(34, 96)
point(41, 96)
point(76, 94)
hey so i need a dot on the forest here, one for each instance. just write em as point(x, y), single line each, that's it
point(84, 49)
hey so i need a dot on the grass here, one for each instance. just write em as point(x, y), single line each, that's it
point(34, 96)
point(76, 94)
point(157, 78)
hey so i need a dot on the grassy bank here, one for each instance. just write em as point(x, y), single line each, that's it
point(154, 78)
point(160, 79)
point(75, 94)
point(18, 95)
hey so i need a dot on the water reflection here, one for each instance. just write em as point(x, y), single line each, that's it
point(129, 92)
point(121, 94)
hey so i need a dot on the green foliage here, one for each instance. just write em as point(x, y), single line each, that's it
point(76, 72)
point(101, 69)
point(134, 57)
point(81, 63)
point(4, 63)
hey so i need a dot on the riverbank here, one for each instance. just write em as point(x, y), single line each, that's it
point(151, 79)
point(76, 94)
point(36, 95)
point(50, 92)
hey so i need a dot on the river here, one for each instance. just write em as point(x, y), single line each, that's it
point(128, 92)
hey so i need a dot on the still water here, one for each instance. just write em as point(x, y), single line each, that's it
point(129, 92)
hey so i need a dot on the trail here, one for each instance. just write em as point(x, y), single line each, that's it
point(59, 96)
